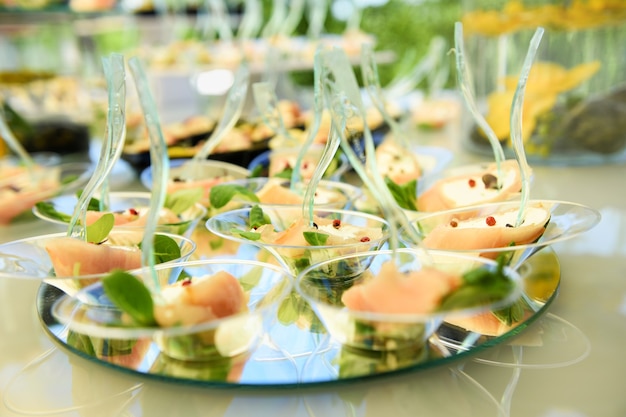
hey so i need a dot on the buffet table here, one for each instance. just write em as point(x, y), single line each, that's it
point(568, 363)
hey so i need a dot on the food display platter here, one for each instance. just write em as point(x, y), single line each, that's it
point(298, 351)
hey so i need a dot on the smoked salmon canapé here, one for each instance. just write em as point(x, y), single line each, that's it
point(405, 295)
point(267, 191)
point(211, 309)
point(180, 215)
point(297, 242)
point(22, 188)
point(467, 186)
point(72, 263)
point(203, 175)
point(508, 227)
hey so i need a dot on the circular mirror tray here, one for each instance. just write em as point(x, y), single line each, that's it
point(297, 351)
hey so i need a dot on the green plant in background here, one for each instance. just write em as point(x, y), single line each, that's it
point(402, 26)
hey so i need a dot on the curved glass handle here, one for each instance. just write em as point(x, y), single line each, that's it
point(516, 122)
point(279, 13)
point(267, 103)
point(407, 83)
point(115, 74)
point(369, 71)
point(252, 20)
point(293, 18)
point(159, 161)
point(217, 10)
point(316, 16)
point(465, 84)
point(234, 105)
point(346, 108)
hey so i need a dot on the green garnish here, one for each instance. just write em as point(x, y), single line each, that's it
point(285, 173)
point(98, 231)
point(165, 249)
point(183, 199)
point(48, 209)
point(222, 194)
point(68, 179)
point(405, 195)
point(315, 238)
point(131, 296)
point(258, 218)
point(94, 203)
point(247, 235)
point(481, 286)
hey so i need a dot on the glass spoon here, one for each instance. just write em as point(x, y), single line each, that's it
point(234, 105)
point(159, 161)
point(251, 22)
point(112, 145)
point(465, 85)
point(345, 104)
point(516, 123)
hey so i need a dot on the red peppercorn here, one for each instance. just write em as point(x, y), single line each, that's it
point(491, 221)
point(133, 211)
point(336, 223)
point(365, 239)
point(185, 282)
point(454, 223)
point(472, 183)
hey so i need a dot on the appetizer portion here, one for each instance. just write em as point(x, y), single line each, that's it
point(298, 243)
point(204, 311)
point(480, 186)
point(402, 299)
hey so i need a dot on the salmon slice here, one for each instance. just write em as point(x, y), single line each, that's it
point(476, 233)
point(73, 257)
point(472, 188)
point(394, 292)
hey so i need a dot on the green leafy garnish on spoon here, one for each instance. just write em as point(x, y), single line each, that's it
point(130, 295)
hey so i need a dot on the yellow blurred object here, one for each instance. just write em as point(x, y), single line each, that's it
point(546, 80)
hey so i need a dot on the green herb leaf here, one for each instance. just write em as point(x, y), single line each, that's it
point(222, 194)
point(247, 235)
point(405, 195)
point(315, 238)
point(183, 199)
point(285, 173)
point(165, 249)
point(99, 230)
point(94, 203)
point(288, 310)
point(68, 179)
point(130, 295)
point(251, 279)
point(47, 208)
point(258, 218)
point(257, 171)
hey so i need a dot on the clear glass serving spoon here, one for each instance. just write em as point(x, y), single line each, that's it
point(516, 122)
point(464, 78)
point(115, 74)
point(159, 161)
point(234, 105)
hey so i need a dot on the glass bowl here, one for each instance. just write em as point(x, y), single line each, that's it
point(487, 229)
point(20, 190)
point(402, 299)
point(71, 264)
point(284, 235)
point(131, 209)
point(194, 322)
point(210, 172)
point(278, 192)
point(273, 162)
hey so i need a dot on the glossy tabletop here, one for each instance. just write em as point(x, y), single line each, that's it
point(567, 364)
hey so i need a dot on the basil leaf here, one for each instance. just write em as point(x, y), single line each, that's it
point(258, 218)
point(285, 173)
point(68, 179)
point(48, 209)
point(405, 195)
point(99, 230)
point(251, 279)
point(315, 238)
point(183, 199)
point(221, 194)
point(247, 235)
point(165, 249)
point(94, 203)
point(130, 295)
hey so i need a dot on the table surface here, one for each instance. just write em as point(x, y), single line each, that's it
point(577, 368)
